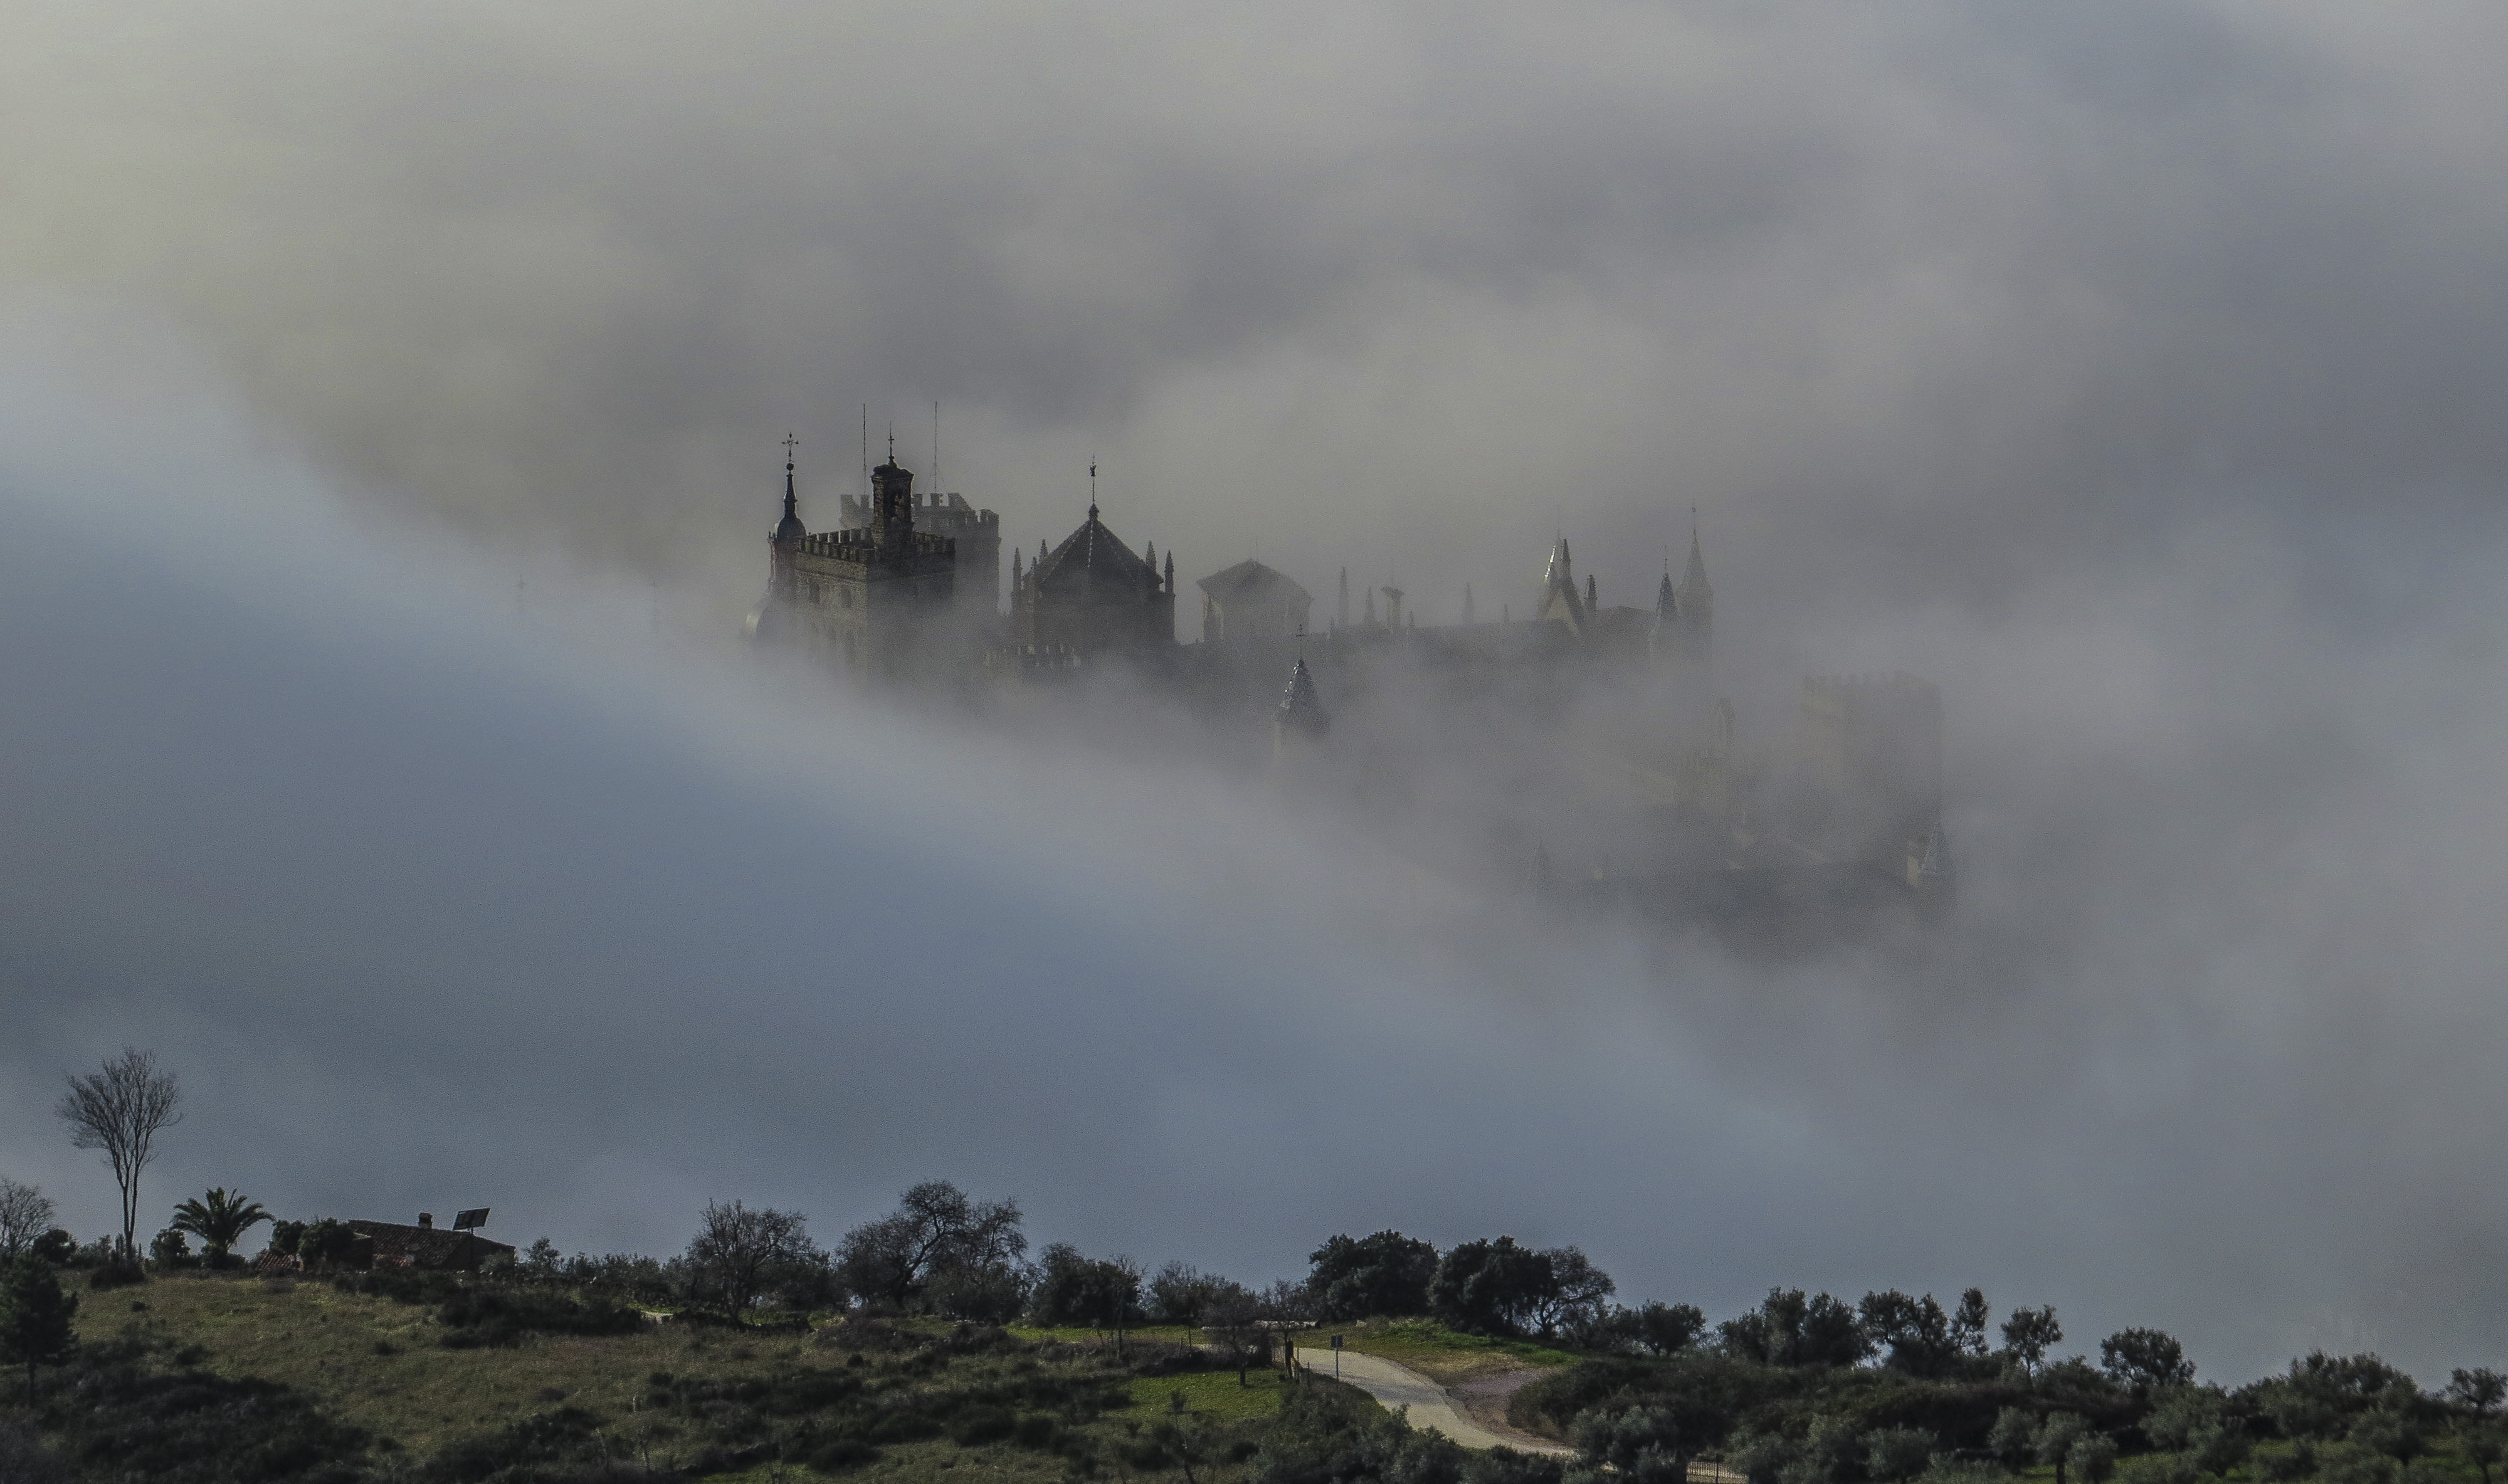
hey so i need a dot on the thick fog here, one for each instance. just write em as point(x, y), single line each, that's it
point(389, 410)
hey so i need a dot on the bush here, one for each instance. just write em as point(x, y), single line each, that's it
point(567, 1435)
point(168, 1248)
point(116, 1273)
point(480, 1316)
point(58, 1247)
point(843, 1455)
point(978, 1425)
point(24, 1459)
point(119, 1420)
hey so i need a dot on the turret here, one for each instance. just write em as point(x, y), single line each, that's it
point(790, 529)
point(892, 505)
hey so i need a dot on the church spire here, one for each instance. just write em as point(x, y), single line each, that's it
point(790, 527)
point(1695, 598)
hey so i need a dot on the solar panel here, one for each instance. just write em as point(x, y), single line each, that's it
point(471, 1220)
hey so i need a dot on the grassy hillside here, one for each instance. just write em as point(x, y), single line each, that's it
point(882, 1400)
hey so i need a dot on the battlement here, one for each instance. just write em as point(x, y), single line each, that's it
point(858, 545)
point(935, 511)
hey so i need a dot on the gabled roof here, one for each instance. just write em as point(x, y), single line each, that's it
point(1251, 583)
point(1091, 561)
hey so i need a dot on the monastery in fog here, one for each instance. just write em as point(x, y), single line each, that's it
point(1645, 796)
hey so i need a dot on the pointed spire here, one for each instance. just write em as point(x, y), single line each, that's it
point(1593, 600)
point(1371, 609)
point(790, 527)
point(1171, 572)
point(1666, 605)
point(1302, 710)
point(1015, 571)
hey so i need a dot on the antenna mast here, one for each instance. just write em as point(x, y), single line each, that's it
point(865, 454)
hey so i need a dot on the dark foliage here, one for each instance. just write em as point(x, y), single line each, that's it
point(1328, 1433)
point(939, 1250)
point(484, 1316)
point(1492, 1286)
point(401, 1285)
point(2320, 1394)
point(34, 1317)
point(1387, 1274)
point(531, 1448)
point(1644, 1445)
point(1915, 1334)
point(325, 1241)
point(119, 1419)
point(1713, 1397)
point(1789, 1329)
point(116, 1273)
point(1073, 1289)
point(1182, 1294)
point(24, 1459)
point(2145, 1358)
point(57, 1247)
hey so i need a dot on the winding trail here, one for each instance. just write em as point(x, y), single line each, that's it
point(1431, 1405)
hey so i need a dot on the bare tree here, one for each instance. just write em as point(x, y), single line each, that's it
point(738, 1253)
point(935, 1230)
point(121, 1110)
point(25, 1215)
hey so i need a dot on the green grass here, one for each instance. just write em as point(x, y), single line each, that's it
point(381, 1366)
point(1164, 1334)
point(377, 1364)
point(1212, 1394)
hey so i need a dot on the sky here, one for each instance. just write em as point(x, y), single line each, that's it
point(389, 412)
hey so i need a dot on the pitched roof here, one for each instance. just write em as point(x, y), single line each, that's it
point(1250, 581)
point(1091, 561)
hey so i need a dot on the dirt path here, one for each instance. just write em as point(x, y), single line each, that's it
point(1458, 1413)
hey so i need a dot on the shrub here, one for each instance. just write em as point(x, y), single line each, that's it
point(477, 1317)
point(983, 1425)
point(843, 1455)
point(117, 1419)
point(169, 1250)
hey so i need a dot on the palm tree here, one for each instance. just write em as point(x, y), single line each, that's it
point(219, 1219)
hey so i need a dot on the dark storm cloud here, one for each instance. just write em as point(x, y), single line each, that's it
point(2131, 371)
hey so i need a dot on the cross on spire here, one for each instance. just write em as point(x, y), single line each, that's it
point(789, 443)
